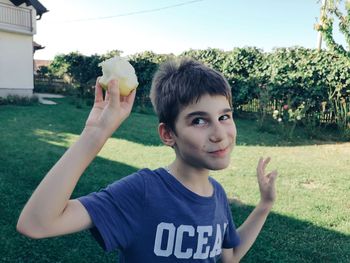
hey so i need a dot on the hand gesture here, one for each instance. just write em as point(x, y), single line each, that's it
point(266, 182)
point(108, 113)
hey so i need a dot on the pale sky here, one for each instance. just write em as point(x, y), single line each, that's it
point(174, 26)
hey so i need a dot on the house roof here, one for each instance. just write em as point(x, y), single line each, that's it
point(40, 9)
point(37, 46)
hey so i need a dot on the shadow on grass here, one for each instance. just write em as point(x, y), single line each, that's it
point(286, 239)
point(141, 129)
point(18, 182)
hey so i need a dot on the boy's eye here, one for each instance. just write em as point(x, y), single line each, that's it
point(198, 121)
point(225, 117)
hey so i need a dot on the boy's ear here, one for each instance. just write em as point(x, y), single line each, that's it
point(166, 134)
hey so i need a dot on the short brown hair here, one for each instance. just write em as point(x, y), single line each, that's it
point(178, 83)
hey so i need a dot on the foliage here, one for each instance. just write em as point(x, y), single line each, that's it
point(79, 70)
point(287, 117)
point(331, 10)
point(320, 80)
point(59, 66)
point(211, 56)
point(241, 69)
point(145, 65)
point(43, 72)
point(18, 100)
point(111, 54)
point(53, 85)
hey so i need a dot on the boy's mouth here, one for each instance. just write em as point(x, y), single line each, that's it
point(221, 152)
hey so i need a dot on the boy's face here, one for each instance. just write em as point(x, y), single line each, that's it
point(206, 133)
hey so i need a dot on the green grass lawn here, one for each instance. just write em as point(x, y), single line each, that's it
point(310, 221)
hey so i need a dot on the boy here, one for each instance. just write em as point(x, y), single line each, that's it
point(172, 214)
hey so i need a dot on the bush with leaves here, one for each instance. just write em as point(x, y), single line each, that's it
point(285, 76)
point(212, 57)
point(241, 68)
point(79, 70)
point(19, 100)
point(145, 64)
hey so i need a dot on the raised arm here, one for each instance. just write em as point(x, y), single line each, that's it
point(251, 227)
point(49, 211)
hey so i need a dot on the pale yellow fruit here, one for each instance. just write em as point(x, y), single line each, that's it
point(120, 69)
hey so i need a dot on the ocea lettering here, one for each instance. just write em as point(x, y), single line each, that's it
point(174, 243)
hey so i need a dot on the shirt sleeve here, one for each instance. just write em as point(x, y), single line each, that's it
point(116, 211)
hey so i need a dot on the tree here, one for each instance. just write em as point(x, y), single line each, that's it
point(340, 10)
point(80, 70)
point(43, 72)
point(339, 97)
point(111, 54)
point(59, 66)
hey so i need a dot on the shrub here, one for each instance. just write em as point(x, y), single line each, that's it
point(319, 80)
point(19, 100)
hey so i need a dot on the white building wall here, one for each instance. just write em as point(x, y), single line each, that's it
point(16, 64)
point(16, 57)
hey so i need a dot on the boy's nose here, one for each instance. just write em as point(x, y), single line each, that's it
point(217, 133)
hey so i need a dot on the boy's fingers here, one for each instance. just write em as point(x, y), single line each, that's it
point(272, 176)
point(107, 96)
point(258, 168)
point(262, 165)
point(113, 90)
point(261, 170)
point(131, 97)
point(266, 161)
point(98, 91)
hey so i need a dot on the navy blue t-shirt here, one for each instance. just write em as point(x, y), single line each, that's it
point(151, 217)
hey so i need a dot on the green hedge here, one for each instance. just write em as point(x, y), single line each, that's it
point(320, 80)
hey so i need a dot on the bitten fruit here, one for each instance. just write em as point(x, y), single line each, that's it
point(120, 69)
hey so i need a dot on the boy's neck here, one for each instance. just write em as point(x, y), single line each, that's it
point(194, 179)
